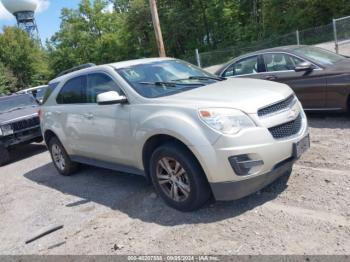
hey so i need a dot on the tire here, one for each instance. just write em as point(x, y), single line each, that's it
point(4, 156)
point(188, 181)
point(64, 165)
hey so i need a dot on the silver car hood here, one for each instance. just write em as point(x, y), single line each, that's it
point(247, 95)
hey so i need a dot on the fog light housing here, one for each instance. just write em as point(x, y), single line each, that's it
point(243, 164)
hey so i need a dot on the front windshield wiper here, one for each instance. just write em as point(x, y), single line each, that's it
point(218, 78)
point(168, 84)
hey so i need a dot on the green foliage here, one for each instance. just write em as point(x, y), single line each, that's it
point(88, 34)
point(7, 81)
point(95, 32)
point(23, 58)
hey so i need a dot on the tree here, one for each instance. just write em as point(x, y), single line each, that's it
point(87, 34)
point(93, 34)
point(23, 57)
point(7, 81)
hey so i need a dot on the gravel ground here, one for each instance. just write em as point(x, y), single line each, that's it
point(106, 213)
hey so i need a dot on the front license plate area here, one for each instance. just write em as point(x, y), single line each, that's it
point(301, 146)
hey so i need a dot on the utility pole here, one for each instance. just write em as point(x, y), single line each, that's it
point(157, 30)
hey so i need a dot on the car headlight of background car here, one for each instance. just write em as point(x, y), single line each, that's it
point(225, 120)
point(6, 130)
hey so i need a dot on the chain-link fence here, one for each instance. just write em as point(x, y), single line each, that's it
point(316, 35)
point(341, 31)
point(334, 34)
point(215, 57)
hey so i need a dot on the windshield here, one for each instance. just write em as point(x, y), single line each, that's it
point(16, 102)
point(163, 78)
point(320, 55)
point(39, 93)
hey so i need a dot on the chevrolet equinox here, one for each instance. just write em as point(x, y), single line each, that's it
point(192, 134)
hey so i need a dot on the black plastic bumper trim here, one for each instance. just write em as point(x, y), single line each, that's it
point(235, 190)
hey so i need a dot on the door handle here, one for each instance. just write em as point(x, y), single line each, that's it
point(270, 77)
point(89, 116)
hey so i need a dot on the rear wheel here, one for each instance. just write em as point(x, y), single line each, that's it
point(64, 165)
point(4, 156)
point(178, 178)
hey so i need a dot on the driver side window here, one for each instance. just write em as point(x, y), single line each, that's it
point(99, 83)
point(243, 67)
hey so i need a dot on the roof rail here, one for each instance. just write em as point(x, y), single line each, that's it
point(76, 68)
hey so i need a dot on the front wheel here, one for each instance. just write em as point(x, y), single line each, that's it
point(178, 178)
point(64, 165)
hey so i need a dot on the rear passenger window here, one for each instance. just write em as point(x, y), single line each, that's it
point(99, 83)
point(73, 91)
point(243, 67)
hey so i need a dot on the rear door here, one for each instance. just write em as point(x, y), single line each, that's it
point(310, 87)
point(69, 113)
point(249, 67)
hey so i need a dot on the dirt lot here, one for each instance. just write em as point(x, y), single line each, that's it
point(106, 213)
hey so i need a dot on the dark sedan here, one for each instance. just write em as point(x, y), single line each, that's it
point(320, 78)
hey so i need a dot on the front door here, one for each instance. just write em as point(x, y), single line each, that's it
point(310, 87)
point(108, 136)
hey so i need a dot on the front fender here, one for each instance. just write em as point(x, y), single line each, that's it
point(184, 126)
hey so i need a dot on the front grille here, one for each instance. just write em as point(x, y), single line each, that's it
point(276, 107)
point(25, 124)
point(287, 129)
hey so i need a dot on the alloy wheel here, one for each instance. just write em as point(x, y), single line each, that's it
point(173, 179)
point(58, 157)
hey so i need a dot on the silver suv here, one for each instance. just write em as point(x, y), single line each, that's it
point(189, 132)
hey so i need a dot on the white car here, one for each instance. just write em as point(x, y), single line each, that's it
point(192, 134)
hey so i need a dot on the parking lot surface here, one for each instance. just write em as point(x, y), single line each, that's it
point(108, 213)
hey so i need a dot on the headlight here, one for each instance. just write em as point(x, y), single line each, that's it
point(226, 120)
point(6, 130)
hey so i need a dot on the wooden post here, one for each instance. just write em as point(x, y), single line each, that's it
point(157, 29)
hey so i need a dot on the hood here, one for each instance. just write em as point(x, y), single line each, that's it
point(247, 95)
point(21, 113)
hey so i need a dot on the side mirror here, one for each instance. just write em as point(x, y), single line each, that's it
point(110, 98)
point(304, 67)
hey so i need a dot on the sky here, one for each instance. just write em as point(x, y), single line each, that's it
point(47, 16)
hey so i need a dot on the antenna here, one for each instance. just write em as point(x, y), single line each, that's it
point(24, 11)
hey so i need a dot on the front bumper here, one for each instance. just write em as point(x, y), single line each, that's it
point(21, 137)
point(271, 158)
point(235, 190)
